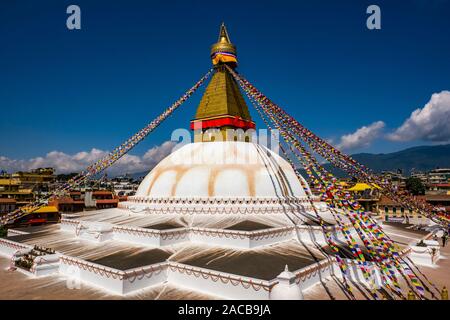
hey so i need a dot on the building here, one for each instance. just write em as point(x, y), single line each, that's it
point(78, 201)
point(438, 188)
point(105, 199)
point(8, 186)
point(73, 202)
point(7, 205)
point(25, 186)
point(423, 176)
point(39, 180)
point(397, 178)
point(390, 210)
point(44, 215)
point(440, 201)
point(124, 186)
point(366, 195)
point(438, 176)
point(12, 188)
point(17, 190)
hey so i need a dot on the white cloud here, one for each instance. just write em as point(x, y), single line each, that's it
point(362, 137)
point(66, 163)
point(430, 123)
point(156, 154)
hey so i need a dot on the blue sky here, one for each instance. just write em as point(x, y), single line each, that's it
point(72, 91)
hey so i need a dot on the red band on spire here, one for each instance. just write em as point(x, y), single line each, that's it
point(221, 122)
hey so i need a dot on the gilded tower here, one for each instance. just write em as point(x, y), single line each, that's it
point(222, 110)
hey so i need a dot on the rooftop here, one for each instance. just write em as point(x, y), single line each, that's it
point(7, 200)
point(18, 286)
point(248, 225)
point(262, 263)
point(132, 258)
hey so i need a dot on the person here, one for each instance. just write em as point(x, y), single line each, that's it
point(444, 238)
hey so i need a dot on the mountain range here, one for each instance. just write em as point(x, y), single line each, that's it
point(423, 158)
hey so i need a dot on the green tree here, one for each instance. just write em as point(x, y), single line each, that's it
point(3, 232)
point(65, 177)
point(415, 186)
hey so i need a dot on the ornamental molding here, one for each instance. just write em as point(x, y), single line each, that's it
point(178, 233)
point(231, 201)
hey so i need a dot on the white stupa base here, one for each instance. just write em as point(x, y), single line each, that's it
point(208, 281)
point(425, 256)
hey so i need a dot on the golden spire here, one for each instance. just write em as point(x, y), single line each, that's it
point(223, 51)
point(223, 34)
point(222, 106)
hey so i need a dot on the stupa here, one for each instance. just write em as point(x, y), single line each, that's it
point(224, 216)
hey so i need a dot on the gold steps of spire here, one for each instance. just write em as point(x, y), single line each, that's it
point(222, 97)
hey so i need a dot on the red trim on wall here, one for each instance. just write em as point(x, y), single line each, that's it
point(220, 122)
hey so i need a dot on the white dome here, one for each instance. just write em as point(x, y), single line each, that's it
point(222, 169)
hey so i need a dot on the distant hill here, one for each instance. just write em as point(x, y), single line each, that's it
point(423, 158)
point(139, 175)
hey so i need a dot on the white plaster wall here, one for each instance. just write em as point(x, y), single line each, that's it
point(311, 236)
point(221, 241)
point(151, 240)
point(48, 258)
point(167, 239)
point(271, 239)
point(423, 256)
point(109, 284)
point(311, 280)
point(142, 282)
point(12, 232)
point(7, 251)
point(227, 291)
point(100, 236)
point(68, 227)
point(46, 269)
